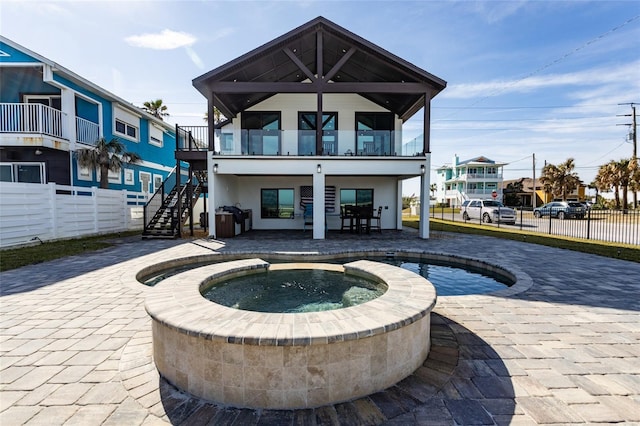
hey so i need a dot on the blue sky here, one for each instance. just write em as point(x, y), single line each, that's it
point(524, 77)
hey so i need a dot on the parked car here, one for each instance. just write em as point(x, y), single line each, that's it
point(487, 210)
point(561, 210)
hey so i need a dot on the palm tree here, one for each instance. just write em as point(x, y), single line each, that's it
point(624, 172)
point(634, 185)
point(106, 156)
point(560, 180)
point(622, 176)
point(156, 108)
point(217, 116)
point(407, 200)
point(606, 179)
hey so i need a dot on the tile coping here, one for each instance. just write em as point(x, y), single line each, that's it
point(177, 303)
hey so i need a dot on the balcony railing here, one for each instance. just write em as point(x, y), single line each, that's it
point(294, 142)
point(484, 175)
point(32, 118)
point(87, 131)
point(44, 120)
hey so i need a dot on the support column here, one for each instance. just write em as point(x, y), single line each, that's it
point(211, 185)
point(426, 123)
point(425, 182)
point(319, 218)
point(399, 205)
point(211, 177)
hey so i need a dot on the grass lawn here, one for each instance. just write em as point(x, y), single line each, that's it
point(602, 248)
point(18, 257)
point(15, 258)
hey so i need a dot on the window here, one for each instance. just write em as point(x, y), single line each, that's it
point(128, 177)
point(155, 135)
point(145, 180)
point(374, 132)
point(356, 197)
point(277, 203)
point(261, 133)
point(53, 101)
point(85, 173)
point(6, 173)
point(307, 133)
point(126, 129)
point(157, 182)
point(22, 172)
point(113, 177)
point(126, 124)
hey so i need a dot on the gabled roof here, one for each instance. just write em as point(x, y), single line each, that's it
point(346, 63)
point(478, 160)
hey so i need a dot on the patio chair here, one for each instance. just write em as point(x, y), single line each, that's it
point(346, 218)
point(376, 220)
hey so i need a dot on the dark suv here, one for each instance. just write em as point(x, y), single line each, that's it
point(561, 210)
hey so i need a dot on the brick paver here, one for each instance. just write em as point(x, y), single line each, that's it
point(75, 341)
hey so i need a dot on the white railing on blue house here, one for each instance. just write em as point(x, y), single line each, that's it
point(44, 120)
point(87, 131)
point(32, 118)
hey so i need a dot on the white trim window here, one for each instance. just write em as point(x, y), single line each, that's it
point(157, 182)
point(23, 172)
point(126, 124)
point(84, 173)
point(155, 135)
point(113, 177)
point(128, 176)
point(145, 180)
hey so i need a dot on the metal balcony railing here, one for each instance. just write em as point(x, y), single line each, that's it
point(266, 142)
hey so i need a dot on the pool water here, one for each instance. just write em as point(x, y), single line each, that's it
point(291, 291)
point(451, 280)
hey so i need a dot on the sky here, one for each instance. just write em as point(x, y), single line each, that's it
point(550, 79)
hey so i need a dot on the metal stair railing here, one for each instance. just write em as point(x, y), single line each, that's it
point(161, 214)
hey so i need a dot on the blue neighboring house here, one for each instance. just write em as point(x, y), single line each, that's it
point(48, 112)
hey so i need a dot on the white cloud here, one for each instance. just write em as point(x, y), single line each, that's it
point(165, 40)
point(627, 73)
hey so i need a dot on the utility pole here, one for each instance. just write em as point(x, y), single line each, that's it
point(634, 137)
point(535, 194)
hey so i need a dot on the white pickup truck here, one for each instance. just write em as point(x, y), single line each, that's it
point(488, 211)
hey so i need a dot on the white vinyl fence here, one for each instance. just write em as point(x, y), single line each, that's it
point(32, 212)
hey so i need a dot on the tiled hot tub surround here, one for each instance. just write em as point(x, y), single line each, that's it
point(287, 361)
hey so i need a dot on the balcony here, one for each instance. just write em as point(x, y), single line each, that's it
point(294, 142)
point(38, 119)
point(480, 176)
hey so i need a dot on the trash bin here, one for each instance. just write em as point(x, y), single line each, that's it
point(204, 220)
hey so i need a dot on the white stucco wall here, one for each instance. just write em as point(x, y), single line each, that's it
point(245, 191)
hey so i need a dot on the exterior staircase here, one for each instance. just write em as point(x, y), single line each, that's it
point(171, 205)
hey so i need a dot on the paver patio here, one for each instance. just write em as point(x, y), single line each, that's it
point(75, 341)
